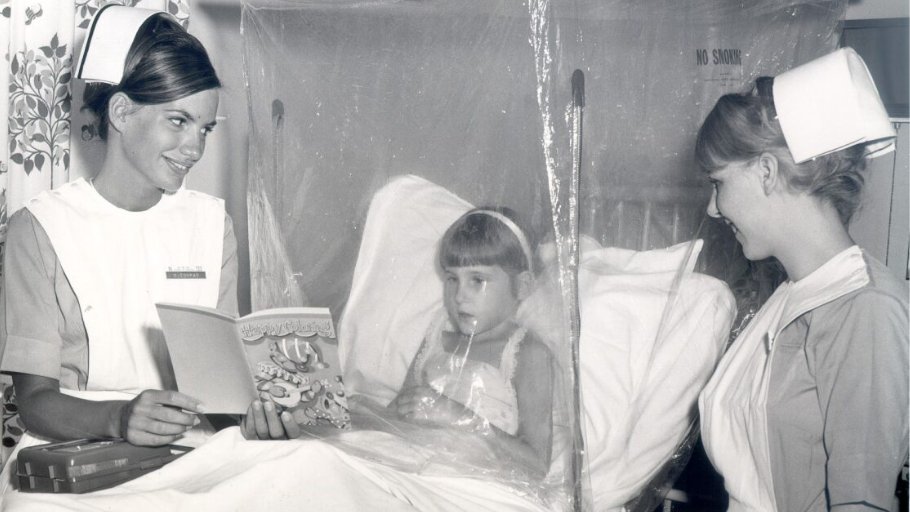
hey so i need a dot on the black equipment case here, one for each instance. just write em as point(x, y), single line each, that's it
point(88, 465)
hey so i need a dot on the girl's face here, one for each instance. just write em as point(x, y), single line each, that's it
point(162, 142)
point(739, 200)
point(480, 300)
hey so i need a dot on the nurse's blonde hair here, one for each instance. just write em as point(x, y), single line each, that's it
point(741, 127)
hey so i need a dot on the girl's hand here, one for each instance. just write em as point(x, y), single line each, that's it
point(424, 404)
point(262, 421)
point(155, 417)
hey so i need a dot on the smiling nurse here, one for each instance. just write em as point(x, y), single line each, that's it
point(160, 143)
point(808, 410)
point(86, 262)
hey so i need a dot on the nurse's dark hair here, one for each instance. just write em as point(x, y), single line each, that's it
point(741, 127)
point(480, 239)
point(164, 63)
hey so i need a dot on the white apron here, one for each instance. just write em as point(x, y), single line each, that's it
point(734, 423)
point(119, 264)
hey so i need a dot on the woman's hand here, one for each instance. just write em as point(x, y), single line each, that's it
point(152, 418)
point(423, 404)
point(157, 417)
point(262, 421)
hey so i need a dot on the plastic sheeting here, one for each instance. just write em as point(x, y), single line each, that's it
point(375, 124)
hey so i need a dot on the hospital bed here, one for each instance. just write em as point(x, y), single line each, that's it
point(652, 330)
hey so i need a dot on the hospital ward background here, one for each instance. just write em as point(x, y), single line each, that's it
point(351, 134)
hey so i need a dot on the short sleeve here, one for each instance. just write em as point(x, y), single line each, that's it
point(30, 340)
point(862, 378)
point(227, 289)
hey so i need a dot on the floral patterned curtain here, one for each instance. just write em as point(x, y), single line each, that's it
point(47, 140)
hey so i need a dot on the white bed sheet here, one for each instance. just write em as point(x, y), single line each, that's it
point(229, 473)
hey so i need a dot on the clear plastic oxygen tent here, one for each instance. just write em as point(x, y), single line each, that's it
point(375, 125)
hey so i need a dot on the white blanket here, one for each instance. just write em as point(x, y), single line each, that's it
point(228, 473)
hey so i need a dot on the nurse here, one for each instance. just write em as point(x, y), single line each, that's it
point(808, 410)
point(86, 262)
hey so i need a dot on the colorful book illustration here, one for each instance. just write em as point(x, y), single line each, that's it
point(286, 355)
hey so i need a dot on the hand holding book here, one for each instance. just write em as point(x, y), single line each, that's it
point(286, 357)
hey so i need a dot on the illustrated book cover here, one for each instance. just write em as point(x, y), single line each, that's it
point(286, 355)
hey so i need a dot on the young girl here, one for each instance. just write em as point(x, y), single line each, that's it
point(477, 369)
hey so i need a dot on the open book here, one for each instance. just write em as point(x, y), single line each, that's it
point(286, 355)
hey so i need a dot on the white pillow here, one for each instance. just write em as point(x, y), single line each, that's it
point(643, 364)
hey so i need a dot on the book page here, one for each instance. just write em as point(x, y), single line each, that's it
point(208, 358)
point(293, 353)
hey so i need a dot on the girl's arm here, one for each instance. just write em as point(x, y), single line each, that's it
point(534, 389)
point(411, 380)
point(153, 418)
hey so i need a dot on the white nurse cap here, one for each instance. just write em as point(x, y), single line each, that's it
point(110, 36)
point(829, 104)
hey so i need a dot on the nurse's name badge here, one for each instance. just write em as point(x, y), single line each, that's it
point(185, 273)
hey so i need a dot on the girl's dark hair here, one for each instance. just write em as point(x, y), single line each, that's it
point(741, 127)
point(481, 239)
point(164, 63)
